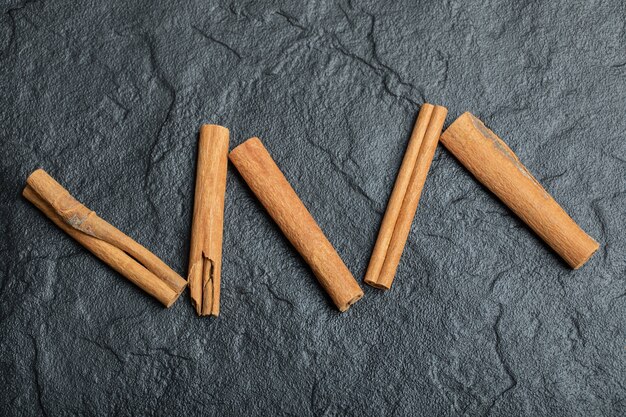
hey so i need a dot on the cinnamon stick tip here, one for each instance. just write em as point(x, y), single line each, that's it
point(435, 106)
point(379, 285)
point(350, 302)
point(171, 301)
point(442, 110)
point(28, 190)
point(178, 294)
point(472, 118)
point(253, 141)
point(207, 127)
point(36, 173)
point(585, 259)
point(28, 193)
point(196, 306)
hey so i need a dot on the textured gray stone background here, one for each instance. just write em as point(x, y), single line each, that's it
point(483, 318)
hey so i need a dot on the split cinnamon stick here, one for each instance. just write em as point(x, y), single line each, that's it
point(396, 224)
point(105, 241)
point(495, 165)
point(205, 255)
point(270, 186)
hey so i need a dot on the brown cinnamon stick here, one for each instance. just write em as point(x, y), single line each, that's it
point(405, 197)
point(267, 182)
point(495, 165)
point(205, 255)
point(105, 241)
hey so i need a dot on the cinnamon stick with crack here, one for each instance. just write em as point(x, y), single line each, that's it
point(495, 165)
point(405, 196)
point(109, 244)
point(205, 254)
point(270, 186)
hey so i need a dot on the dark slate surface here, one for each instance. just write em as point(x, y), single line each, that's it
point(483, 318)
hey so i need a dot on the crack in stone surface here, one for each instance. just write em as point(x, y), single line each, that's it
point(211, 38)
point(505, 365)
point(37, 378)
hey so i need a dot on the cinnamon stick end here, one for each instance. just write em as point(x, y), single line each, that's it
point(36, 173)
point(206, 128)
point(181, 290)
point(585, 259)
point(344, 307)
point(36, 176)
point(169, 303)
point(26, 192)
point(252, 142)
point(213, 312)
point(197, 306)
point(380, 285)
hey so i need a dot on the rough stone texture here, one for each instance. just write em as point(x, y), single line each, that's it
point(483, 318)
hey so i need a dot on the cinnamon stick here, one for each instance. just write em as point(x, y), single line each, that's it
point(495, 165)
point(205, 255)
point(105, 241)
point(267, 182)
point(396, 224)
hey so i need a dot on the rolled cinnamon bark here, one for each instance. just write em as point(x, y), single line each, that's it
point(105, 241)
point(495, 165)
point(267, 182)
point(396, 225)
point(205, 254)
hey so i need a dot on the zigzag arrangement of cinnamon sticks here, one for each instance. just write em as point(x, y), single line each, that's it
point(476, 147)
